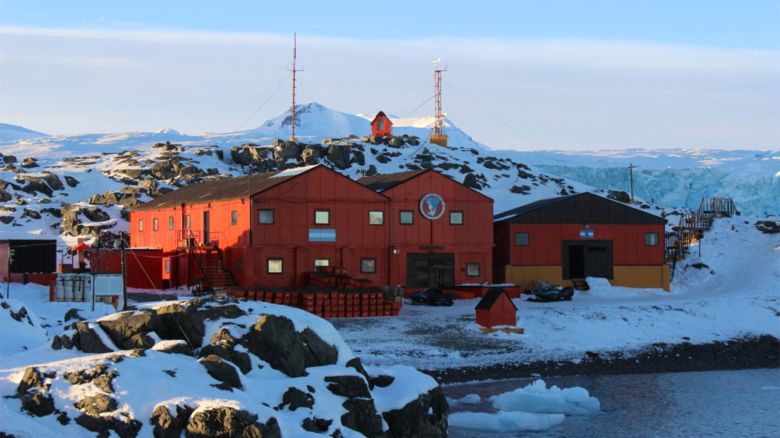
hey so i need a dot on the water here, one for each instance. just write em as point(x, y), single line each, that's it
point(744, 403)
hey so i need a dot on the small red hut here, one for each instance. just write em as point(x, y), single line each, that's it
point(496, 308)
point(381, 125)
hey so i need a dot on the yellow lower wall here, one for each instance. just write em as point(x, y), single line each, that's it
point(656, 277)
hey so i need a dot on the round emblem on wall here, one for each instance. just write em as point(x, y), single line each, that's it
point(432, 206)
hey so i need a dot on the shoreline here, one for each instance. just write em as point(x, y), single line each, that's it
point(741, 353)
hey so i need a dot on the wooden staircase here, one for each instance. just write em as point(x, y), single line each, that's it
point(217, 277)
point(580, 284)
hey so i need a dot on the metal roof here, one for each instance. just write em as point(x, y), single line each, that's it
point(224, 188)
point(386, 181)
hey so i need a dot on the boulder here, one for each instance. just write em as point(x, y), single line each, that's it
point(471, 181)
point(381, 381)
point(319, 351)
point(167, 425)
point(229, 422)
point(316, 425)
point(87, 340)
point(287, 150)
point(100, 375)
point(238, 358)
point(95, 214)
point(768, 227)
point(221, 371)
point(619, 195)
point(179, 322)
point(123, 327)
point(71, 181)
point(311, 154)
point(31, 379)
point(362, 416)
point(8, 159)
point(339, 156)
point(348, 386)
point(425, 416)
point(38, 403)
point(222, 337)
point(5, 196)
point(96, 404)
point(29, 162)
point(294, 398)
point(32, 214)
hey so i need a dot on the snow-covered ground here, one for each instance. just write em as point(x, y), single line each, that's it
point(736, 295)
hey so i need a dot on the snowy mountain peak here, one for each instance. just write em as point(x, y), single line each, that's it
point(11, 133)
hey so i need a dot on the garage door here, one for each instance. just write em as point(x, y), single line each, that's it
point(430, 270)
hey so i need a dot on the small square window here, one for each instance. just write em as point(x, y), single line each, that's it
point(170, 222)
point(456, 218)
point(320, 263)
point(368, 266)
point(521, 239)
point(321, 217)
point(275, 266)
point(187, 222)
point(155, 224)
point(407, 217)
point(376, 217)
point(266, 216)
point(140, 224)
point(651, 239)
point(233, 217)
point(472, 270)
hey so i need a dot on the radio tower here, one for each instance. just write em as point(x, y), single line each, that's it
point(293, 70)
point(438, 137)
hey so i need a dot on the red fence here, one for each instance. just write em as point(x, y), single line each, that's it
point(326, 304)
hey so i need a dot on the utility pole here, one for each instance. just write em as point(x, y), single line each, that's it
point(294, 70)
point(631, 168)
point(438, 137)
point(8, 272)
point(124, 275)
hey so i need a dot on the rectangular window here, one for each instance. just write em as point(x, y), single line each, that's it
point(233, 217)
point(167, 266)
point(155, 224)
point(265, 216)
point(407, 217)
point(322, 235)
point(376, 217)
point(321, 217)
point(140, 224)
point(472, 269)
point(368, 266)
point(651, 239)
point(456, 218)
point(170, 222)
point(521, 239)
point(275, 266)
point(187, 222)
point(319, 263)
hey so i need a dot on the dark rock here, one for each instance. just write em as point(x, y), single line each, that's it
point(311, 154)
point(96, 404)
point(471, 181)
point(73, 314)
point(229, 422)
point(179, 322)
point(70, 181)
point(357, 364)
point(294, 398)
point(32, 378)
point(88, 340)
point(230, 311)
point(320, 352)
point(97, 424)
point(316, 425)
point(221, 371)
point(56, 343)
point(5, 196)
point(362, 416)
point(426, 416)
point(38, 403)
point(768, 227)
point(95, 214)
point(32, 214)
point(124, 326)
point(339, 156)
point(180, 347)
point(382, 381)
point(521, 190)
point(29, 162)
point(167, 425)
point(348, 386)
point(9, 159)
point(126, 427)
point(619, 195)
point(238, 358)
point(66, 342)
point(223, 337)
point(63, 419)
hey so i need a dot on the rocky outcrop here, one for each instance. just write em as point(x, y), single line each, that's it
point(221, 371)
point(619, 195)
point(46, 183)
point(87, 340)
point(131, 329)
point(426, 416)
point(229, 422)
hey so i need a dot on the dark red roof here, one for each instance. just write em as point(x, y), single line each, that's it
point(490, 298)
point(385, 181)
point(381, 113)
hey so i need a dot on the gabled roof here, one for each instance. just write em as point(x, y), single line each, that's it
point(381, 113)
point(225, 188)
point(581, 208)
point(386, 181)
point(490, 298)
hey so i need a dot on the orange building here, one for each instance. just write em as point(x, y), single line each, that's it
point(381, 125)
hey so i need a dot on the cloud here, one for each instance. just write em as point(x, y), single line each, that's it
point(546, 93)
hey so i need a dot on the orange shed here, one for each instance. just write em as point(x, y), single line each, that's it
point(381, 125)
point(496, 308)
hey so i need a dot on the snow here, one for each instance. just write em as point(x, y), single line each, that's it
point(11, 133)
point(293, 171)
point(505, 422)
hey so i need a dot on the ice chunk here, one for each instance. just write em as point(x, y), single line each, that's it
point(504, 421)
point(536, 397)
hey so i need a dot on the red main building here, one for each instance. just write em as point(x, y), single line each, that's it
point(416, 229)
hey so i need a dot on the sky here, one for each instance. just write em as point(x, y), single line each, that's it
point(520, 74)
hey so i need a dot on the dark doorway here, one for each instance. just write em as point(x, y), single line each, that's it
point(430, 270)
point(206, 227)
point(592, 258)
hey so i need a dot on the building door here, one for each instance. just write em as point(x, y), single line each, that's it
point(430, 270)
point(592, 258)
point(206, 227)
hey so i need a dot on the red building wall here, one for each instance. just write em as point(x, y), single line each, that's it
point(388, 126)
point(628, 243)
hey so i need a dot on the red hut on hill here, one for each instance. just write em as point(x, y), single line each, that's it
point(495, 308)
point(381, 125)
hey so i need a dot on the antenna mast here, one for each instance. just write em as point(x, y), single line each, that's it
point(294, 70)
point(438, 137)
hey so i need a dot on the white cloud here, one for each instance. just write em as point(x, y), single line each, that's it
point(507, 93)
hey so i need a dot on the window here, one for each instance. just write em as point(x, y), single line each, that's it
point(187, 222)
point(321, 217)
point(275, 266)
point(651, 239)
point(265, 216)
point(322, 234)
point(319, 263)
point(472, 269)
point(407, 217)
point(368, 266)
point(140, 224)
point(167, 266)
point(376, 217)
point(233, 217)
point(521, 239)
point(155, 224)
point(456, 218)
point(170, 222)
point(380, 124)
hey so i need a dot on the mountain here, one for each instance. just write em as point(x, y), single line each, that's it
point(11, 133)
